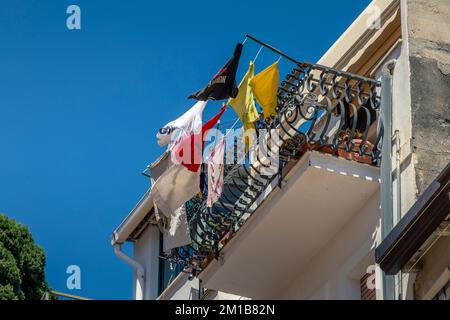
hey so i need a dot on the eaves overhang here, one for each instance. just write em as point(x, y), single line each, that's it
point(413, 231)
point(136, 221)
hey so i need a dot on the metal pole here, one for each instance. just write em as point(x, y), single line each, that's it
point(399, 202)
point(272, 48)
point(386, 157)
point(66, 295)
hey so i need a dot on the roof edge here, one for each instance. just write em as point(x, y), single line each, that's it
point(127, 226)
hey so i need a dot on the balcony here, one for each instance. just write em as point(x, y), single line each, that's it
point(266, 226)
point(292, 224)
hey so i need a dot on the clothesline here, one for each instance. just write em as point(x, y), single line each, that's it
point(229, 130)
point(224, 136)
point(257, 54)
point(234, 124)
point(272, 48)
point(281, 54)
point(225, 123)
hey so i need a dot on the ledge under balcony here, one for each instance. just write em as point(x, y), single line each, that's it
point(319, 196)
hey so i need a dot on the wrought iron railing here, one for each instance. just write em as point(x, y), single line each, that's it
point(319, 108)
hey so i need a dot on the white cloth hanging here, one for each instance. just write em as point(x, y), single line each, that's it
point(177, 234)
point(173, 224)
point(174, 187)
point(190, 122)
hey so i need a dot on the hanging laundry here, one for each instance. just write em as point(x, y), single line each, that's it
point(190, 122)
point(244, 104)
point(177, 233)
point(203, 181)
point(174, 228)
point(157, 168)
point(177, 151)
point(162, 219)
point(215, 173)
point(188, 151)
point(172, 224)
point(174, 187)
point(264, 86)
point(223, 85)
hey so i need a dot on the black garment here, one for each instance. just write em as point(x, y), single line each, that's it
point(223, 85)
point(203, 181)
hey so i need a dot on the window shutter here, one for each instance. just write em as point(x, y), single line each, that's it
point(366, 293)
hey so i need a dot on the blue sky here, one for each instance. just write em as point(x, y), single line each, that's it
point(79, 109)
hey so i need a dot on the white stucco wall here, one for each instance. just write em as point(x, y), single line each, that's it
point(146, 251)
point(184, 289)
point(335, 272)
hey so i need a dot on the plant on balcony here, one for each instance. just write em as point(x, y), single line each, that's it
point(354, 150)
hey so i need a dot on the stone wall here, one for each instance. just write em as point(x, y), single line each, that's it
point(429, 49)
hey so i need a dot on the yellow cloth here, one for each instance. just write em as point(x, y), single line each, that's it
point(244, 104)
point(249, 137)
point(264, 86)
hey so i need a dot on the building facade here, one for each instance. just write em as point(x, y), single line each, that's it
point(318, 226)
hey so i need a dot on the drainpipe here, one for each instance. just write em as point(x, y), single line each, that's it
point(399, 202)
point(386, 168)
point(140, 272)
point(399, 175)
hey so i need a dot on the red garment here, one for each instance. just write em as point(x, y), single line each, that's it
point(195, 144)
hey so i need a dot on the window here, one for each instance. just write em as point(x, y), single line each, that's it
point(167, 271)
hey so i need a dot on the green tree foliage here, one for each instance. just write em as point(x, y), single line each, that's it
point(22, 263)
